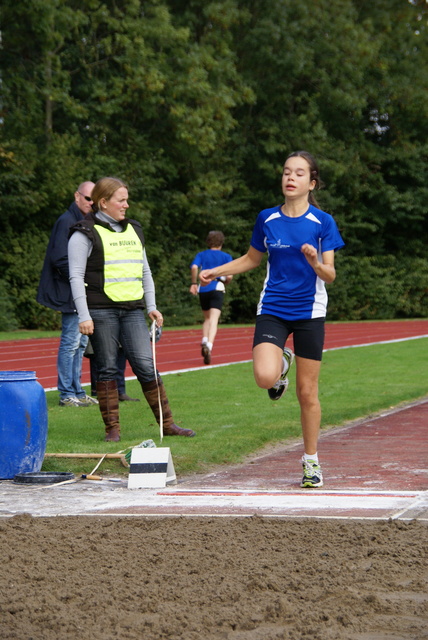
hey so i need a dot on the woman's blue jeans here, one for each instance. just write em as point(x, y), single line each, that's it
point(116, 326)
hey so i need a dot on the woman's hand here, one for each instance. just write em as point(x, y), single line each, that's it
point(249, 261)
point(325, 269)
point(194, 289)
point(157, 317)
point(310, 254)
point(87, 327)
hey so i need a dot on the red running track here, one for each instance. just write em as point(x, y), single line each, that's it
point(180, 350)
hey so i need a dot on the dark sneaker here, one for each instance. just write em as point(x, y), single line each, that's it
point(312, 474)
point(123, 397)
point(279, 388)
point(206, 354)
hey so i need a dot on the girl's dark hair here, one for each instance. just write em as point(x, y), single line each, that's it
point(215, 239)
point(314, 172)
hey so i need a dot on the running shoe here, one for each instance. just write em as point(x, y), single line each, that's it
point(206, 354)
point(279, 388)
point(88, 400)
point(312, 474)
point(73, 402)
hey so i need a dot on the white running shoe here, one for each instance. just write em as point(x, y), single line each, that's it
point(279, 388)
point(312, 474)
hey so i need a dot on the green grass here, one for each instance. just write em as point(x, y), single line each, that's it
point(27, 334)
point(233, 418)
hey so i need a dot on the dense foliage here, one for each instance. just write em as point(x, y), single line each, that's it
point(195, 104)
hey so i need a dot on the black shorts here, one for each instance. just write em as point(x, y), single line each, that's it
point(211, 300)
point(308, 335)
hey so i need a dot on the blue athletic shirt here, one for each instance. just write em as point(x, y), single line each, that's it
point(292, 290)
point(210, 259)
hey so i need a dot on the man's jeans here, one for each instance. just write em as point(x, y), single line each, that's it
point(116, 326)
point(70, 354)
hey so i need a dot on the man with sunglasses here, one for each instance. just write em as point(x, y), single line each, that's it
point(55, 292)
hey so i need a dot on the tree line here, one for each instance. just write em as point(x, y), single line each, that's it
point(195, 105)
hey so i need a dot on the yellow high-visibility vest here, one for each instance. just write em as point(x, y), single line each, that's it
point(123, 264)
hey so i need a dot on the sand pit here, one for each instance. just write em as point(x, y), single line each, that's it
point(103, 578)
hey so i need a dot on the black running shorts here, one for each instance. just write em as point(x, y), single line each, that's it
point(211, 300)
point(308, 335)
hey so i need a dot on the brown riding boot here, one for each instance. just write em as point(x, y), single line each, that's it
point(150, 390)
point(109, 406)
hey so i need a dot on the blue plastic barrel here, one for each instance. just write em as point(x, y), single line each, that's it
point(23, 423)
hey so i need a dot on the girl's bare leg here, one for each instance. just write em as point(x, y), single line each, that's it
point(267, 364)
point(307, 375)
point(209, 327)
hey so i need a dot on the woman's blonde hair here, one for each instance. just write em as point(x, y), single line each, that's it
point(105, 188)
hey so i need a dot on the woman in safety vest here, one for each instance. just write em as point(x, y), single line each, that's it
point(112, 286)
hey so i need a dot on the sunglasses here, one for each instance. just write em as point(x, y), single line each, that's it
point(88, 198)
